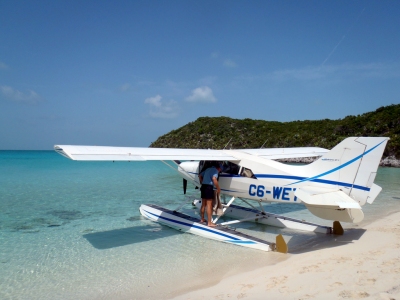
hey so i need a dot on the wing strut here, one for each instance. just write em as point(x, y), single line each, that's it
point(225, 208)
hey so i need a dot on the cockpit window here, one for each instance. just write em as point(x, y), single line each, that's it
point(227, 166)
point(247, 173)
point(205, 164)
point(230, 168)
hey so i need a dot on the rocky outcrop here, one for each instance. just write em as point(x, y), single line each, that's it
point(300, 160)
point(389, 161)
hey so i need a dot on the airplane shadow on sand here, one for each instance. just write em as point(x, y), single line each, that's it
point(302, 243)
point(126, 236)
point(299, 241)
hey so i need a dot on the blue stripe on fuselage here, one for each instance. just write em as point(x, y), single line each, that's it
point(332, 182)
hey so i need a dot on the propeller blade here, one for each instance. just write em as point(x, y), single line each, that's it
point(184, 185)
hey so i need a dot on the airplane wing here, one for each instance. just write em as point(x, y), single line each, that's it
point(282, 153)
point(101, 153)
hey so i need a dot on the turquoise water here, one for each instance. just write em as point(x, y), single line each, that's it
point(73, 230)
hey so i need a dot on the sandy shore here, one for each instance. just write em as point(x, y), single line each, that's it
point(363, 263)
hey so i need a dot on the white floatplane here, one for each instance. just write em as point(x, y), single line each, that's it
point(334, 187)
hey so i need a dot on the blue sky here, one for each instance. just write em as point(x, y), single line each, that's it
point(122, 73)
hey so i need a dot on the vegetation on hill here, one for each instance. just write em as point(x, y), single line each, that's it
point(225, 132)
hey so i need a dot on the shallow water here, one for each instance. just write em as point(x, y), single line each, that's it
point(73, 230)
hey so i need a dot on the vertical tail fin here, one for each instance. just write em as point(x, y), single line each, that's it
point(349, 169)
point(351, 166)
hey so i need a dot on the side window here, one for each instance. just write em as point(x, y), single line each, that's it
point(230, 168)
point(247, 173)
point(204, 165)
point(201, 165)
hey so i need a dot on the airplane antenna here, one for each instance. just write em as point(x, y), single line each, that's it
point(264, 143)
point(227, 144)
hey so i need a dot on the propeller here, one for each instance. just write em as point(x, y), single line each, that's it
point(184, 185)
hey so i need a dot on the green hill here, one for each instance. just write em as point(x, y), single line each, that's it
point(220, 132)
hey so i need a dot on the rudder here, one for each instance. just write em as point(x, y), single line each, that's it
point(364, 179)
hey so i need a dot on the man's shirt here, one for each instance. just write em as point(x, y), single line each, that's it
point(208, 175)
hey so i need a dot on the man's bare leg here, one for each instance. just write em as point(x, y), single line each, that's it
point(202, 210)
point(209, 213)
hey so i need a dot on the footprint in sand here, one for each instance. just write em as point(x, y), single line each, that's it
point(391, 262)
point(353, 294)
point(309, 269)
point(391, 271)
point(284, 290)
point(343, 259)
point(276, 281)
point(366, 281)
point(336, 284)
point(376, 252)
point(246, 287)
point(384, 229)
point(306, 296)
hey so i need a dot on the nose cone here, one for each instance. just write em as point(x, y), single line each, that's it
point(189, 170)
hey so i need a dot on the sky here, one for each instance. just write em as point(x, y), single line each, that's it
point(123, 73)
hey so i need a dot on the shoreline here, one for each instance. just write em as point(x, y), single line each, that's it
point(363, 263)
point(389, 161)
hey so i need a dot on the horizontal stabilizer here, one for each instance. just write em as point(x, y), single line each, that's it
point(331, 205)
point(331, 198)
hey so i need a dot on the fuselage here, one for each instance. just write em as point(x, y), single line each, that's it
point(254, 181)
point(266, 180)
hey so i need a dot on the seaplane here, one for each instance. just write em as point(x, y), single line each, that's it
point(333, 187)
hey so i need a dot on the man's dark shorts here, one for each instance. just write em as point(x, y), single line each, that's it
point(207, 191)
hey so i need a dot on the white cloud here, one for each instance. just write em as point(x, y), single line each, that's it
point(226, 62)
point(14, 95)
point(155, 101)
point(160, 109)
point(229, 63)
point(202, 94)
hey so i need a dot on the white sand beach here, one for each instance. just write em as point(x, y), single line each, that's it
point(363, 263)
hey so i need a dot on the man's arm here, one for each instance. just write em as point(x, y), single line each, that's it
point(216, 184)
